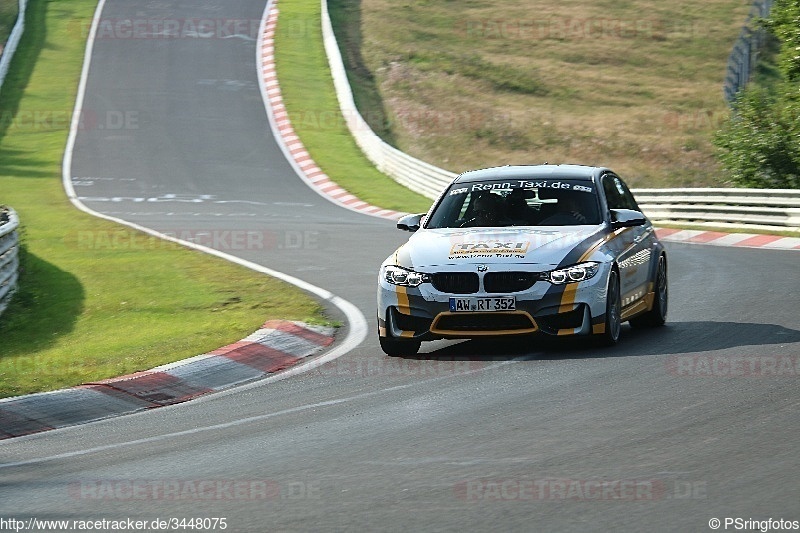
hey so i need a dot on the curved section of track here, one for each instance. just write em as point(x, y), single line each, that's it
point(669, 429)
point(356, 330)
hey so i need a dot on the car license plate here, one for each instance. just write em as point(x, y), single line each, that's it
point(473, 304)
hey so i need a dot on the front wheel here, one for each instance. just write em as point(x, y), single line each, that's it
point(396, 347)
point(656, 316)
point(613, 323)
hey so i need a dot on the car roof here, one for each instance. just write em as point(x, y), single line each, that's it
point(572, 172)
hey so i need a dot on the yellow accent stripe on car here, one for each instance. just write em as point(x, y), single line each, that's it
point(634, 309)
point(642, 304)
point(403, 307)
point(402, 300)
point(568, 298)
point(600, 242)
point(649, 299)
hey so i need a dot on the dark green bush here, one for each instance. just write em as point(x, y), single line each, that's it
point(760, 143)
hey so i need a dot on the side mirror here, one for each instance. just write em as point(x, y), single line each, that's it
point(627, 218)
point(410, 222)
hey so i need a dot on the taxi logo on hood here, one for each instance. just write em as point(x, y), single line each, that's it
point(468, 249)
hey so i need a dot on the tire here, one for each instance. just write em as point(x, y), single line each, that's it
point(613, 324)
point(394, 347)
point(656, 316)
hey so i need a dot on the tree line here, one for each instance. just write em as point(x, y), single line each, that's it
point(759, 145)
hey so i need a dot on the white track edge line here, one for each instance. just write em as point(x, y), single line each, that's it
point(358, 329)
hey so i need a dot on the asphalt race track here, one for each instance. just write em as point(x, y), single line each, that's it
point(674, 427)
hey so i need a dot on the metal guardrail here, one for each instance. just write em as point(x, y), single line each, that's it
point(13, 41)
point(9, 222)
point(9, 255)
point(768, 209)
point(744, 56)
point(415, 174)
point(765, 209)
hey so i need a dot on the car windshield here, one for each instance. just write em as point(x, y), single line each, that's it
point(550, 202)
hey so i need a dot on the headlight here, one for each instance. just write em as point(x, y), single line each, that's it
point(407, 278)
point(572, 274)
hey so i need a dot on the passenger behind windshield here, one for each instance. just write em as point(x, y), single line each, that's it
point(469, 207)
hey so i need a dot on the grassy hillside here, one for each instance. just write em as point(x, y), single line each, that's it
point(635, 85)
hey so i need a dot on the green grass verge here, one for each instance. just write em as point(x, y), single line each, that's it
point(96, 300)
point(310, 100)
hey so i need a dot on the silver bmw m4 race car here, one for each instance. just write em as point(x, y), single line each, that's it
point(520, 250)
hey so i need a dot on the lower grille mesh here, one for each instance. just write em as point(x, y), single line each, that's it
point(484, 322)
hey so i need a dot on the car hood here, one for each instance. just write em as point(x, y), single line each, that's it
point(547, 246)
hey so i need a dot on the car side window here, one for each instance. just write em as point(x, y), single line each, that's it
point(613, 196)
point(618, 196)
point(627, 196)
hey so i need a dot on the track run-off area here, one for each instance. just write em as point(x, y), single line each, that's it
point(668, 430)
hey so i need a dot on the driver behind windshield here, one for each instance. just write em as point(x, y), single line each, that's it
point(488, 210)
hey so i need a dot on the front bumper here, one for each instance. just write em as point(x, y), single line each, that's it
point(424, 313)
